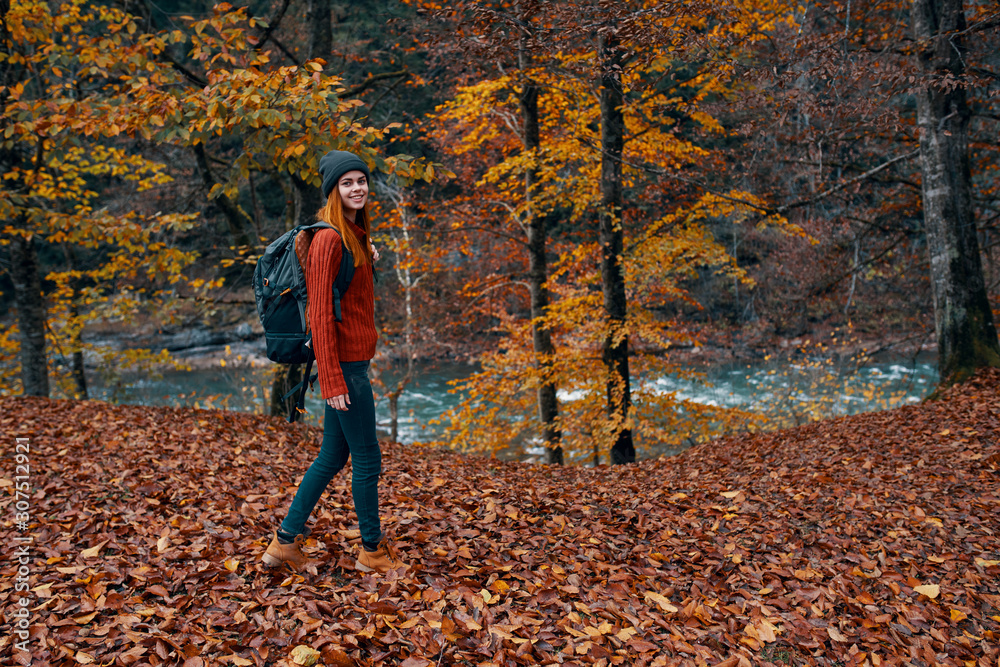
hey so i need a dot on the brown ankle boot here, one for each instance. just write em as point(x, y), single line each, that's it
point(381, 560)
point(278, 553)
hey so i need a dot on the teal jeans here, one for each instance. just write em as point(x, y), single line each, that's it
point(346, 434)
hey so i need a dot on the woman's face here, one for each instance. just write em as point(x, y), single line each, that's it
point(353, 187)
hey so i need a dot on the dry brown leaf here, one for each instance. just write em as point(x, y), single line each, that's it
point(83, 619)
point(571, 560)
point(304, 655)
point(334, 656)
point(415, 662)
point(660, 600)
point(766, 631)
point(95, 551)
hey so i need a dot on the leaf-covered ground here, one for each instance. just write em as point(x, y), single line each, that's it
point(866, 540)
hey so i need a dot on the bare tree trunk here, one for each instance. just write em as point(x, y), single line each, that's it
point(967, 338)
point(79, 373)
point(615, 353)
point(236, 219)
point(284, 378)
point(25, 273)
point(404, 274)
point(24, 270)
point(320, 31)
point(304, 200)
point(548, 406)
point(408, 345)
point(308, 201)
point(394, 414)
point(401, 384)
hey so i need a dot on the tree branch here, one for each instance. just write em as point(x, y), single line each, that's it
point(273, 23)
point(473, 228)
point(820, 291)
point(372, 78)
point(982, 26)
point(238, 220)
point(784, 208)
point(781, 210)
point(288, 54)
point(185, 72)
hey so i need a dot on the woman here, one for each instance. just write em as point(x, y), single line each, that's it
point(343, 351)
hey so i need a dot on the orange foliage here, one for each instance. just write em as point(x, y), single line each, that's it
point(670, 132)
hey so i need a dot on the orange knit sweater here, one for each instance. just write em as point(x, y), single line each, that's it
point(354, 337)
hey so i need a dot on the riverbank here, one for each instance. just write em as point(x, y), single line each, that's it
point(780, 391)
point(804, 380)
point(239, 333)
point(872, 539)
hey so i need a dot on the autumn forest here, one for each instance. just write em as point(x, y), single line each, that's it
point(576, 199)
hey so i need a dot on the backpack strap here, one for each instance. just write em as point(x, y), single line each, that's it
point(302, 388)
point(346, 272)
point(302, 242)
point(343, 279)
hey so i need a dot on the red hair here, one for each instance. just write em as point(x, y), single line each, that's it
point(333, 213)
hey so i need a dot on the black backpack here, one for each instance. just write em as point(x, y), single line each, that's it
point(279, 288)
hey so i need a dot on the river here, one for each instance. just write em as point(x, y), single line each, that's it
point(763, 386)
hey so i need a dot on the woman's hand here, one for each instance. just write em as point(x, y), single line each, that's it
point(339, 402)
point(374, 252)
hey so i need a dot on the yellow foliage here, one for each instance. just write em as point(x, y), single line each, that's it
point(285, 117)
point(669, 133)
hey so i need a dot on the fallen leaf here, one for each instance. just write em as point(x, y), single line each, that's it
point(766, 631)
point(415, 662)
point(83, 619)
point(334, 656)
point(304, 655)
point(95, 551)
point(930, 590)
point(660, 600)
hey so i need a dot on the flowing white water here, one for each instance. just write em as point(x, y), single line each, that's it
point(755, 387)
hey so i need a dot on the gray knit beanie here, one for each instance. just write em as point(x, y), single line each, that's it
point(335, 164)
